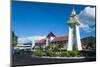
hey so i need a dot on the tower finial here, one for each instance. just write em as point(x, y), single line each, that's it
point(73, 11)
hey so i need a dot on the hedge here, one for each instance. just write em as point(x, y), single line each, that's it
point(51, 53)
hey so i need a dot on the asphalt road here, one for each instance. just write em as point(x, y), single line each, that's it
point(27, 59)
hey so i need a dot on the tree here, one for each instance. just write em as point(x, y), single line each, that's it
point(59, 45)
point(49, 47)
point(14, 39)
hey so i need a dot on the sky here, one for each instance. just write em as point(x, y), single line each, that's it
point(32, 20)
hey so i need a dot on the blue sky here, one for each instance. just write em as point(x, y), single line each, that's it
point(38, 19)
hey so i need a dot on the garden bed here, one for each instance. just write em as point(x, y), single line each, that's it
point(64, 53)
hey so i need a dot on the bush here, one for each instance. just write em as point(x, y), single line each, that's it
point(64, 53)
point(70, 54)
point(51, 53)
point(39, 53)
point(74, 53)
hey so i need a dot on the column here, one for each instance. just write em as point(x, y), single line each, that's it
point(78, 38)
point(70, 39)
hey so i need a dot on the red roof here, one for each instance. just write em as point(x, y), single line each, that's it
point(61, 38)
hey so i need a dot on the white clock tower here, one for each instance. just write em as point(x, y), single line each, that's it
point(74, 42)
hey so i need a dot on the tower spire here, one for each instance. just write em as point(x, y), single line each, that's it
point(73, 11)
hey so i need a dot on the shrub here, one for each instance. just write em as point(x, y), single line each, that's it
point(70, 53)
point(50, 53)
point(64, 54)
point(39, 53)
point(74, 53)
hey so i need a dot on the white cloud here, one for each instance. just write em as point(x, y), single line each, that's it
point(30, 39)
point(83, 25)
point(87, 28)
point(87, 19)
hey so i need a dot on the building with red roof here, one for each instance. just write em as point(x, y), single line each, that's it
point(52, 40)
